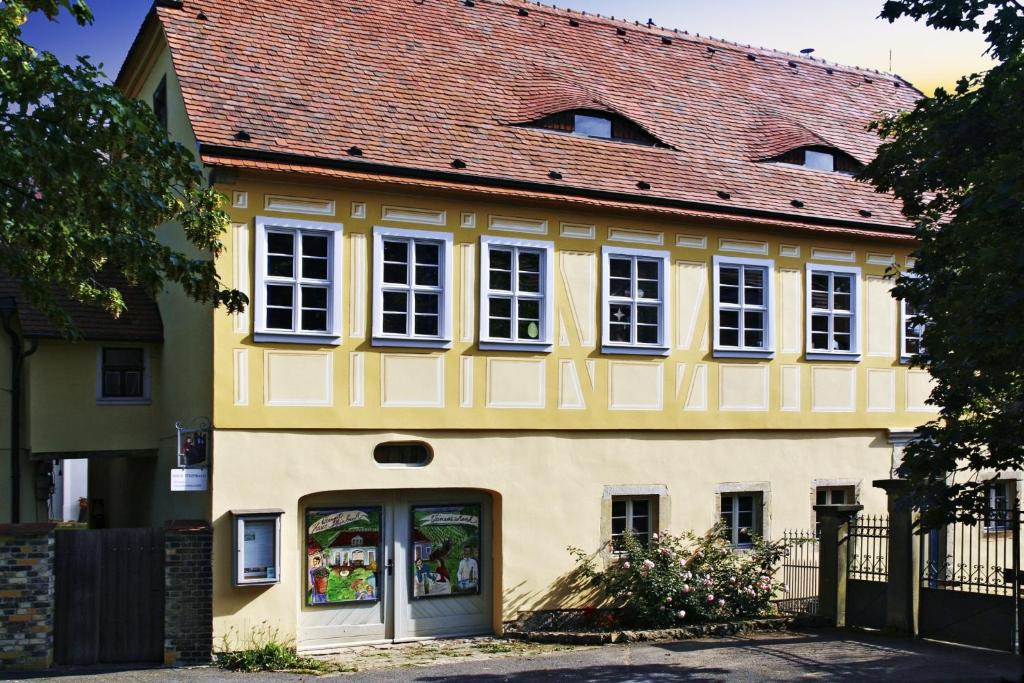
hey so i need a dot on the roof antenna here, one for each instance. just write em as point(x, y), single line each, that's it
point(807, 51)
point(650, 22)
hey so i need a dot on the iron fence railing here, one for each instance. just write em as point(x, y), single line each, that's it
point(800, 573)
point(973, 558)
point(868, 554)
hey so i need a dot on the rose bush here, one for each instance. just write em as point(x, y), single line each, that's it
point(688, 578)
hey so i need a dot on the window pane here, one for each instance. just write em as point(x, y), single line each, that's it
point(279, 266)
point(279, 318)
point(819, 340)
point(841, 343)
point(499, 328)
point(729, 337)
point(841, 324)
point(394, 323)
point(841, 302)
point(594, 126)
point(618, 526)
point(753, 320)
point(641, 508)
point(280, 243)
point(279, 296)
point(396, 302)
point(501, 308)
point(501, 259)
point(428, 253)
point(428, 276)
point(820, 497)
point(745, 503)
point(501, 280)
point(122, 357)
point(647, 270)
point(427, 303)
point(619, 508)
point(618, 333)
point(647, 315)
point(640, 524)
point(619, 313)
point(529, 282)
point(821, 161)
point(396, 252)
point(314, 245)
point(619, 287)
point(426, 325)
point(728, 294)
point(132, 385)
point(753, 286)
point(620, 267)
point(396, 273)
point(529, 309)
point(646, 334)
point(647, 289)
point(729, 319)
point(753, 338)
point(819, 300)
point(314, 321)
point(529, 261)
point(314, 297)
point(819, 282)
point(838, 496)
point(314, 268)
point(843, 283)
point(819, 323)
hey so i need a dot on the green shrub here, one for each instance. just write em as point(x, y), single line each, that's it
point(686, 578)
point(261, 650)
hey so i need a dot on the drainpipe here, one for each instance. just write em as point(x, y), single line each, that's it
point(8, 308)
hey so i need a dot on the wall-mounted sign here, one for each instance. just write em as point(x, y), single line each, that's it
point(193, 443)
point(446, 550)
point(343, 555)
point(257, 540)
point(190, 479)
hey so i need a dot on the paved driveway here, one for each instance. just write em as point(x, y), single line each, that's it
point(815, 655)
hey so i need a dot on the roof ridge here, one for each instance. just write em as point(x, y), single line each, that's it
point(682, 34)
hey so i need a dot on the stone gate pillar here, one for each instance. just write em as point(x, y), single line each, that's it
point(833, 560)
point(903, 593)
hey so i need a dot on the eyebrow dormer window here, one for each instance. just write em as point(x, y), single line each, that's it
point(594, 123)
point(821, 159)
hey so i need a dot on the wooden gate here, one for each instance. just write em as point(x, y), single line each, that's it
point(109, 596)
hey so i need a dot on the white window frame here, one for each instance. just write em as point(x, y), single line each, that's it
point(652, 516)
point(545, 340)
point(906, 356)
point(743, 351)
point(662, 347)
point(143, 400)
point(855, 313)
point(850, 488)
point(334, 232)
point(757, 515)
point(443, 339)
point(1010, 491)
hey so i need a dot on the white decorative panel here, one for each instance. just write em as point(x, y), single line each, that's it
point(692, 241)
point(358, 210)
point(240, 273)
point(881, 390)
point(579, 275)
point(833, 255)
point(635, 385)
point(919, 388)
point(467, 313)
point(743, 387)
point(691, 283)
point(580, 231)
point(833, 388)
point(636, 236)
point(881, 259)
point(298, 378)
point(697, 396)
point(880, 315)
point(570, 393)
point(680, 376)
point(466, 382)
point(411, 381)
point(307, 205)
point(743, 246)
point(408, 214)
point(789, 250)
point(791, 310)
point(789, 388)
point(357, 279)
point(516, 382)
point(530, 226)
point(468, 221)
point(356, 380)
point(563, 331)
point(591, 372)
point(240, 200)
point(241, 358)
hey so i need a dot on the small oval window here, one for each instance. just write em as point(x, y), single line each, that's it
point(403, 454)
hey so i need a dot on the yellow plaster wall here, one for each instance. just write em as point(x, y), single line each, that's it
point(549, 487)
point(379, 387)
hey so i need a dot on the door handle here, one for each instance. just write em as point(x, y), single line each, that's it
point(389, 566)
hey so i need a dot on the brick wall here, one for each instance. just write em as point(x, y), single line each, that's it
point(26, 596)
point(188, 582)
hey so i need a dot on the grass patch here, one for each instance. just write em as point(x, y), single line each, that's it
point(261, 650)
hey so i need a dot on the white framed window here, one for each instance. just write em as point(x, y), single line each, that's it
point(123, 375)
point(635, 301)
point(1002, 503)
point(742, 300)
point(298, 281)
point(832, 495)
point(911, 333)
point(412, 288)
point(833, 312)
point(635, 514)
point(516, 285)
point(742, 517)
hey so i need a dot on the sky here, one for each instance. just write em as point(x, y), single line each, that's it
point(843, 31)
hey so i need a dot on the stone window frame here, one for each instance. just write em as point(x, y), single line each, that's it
point(840, 482)
point(762, 488)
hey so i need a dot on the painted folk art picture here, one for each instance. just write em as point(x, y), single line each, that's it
point(342, 553)
point(446, 550)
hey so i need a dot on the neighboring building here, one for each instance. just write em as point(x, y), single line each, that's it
point(521, 278)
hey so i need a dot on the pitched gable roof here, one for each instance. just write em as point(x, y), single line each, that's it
point(416, 85)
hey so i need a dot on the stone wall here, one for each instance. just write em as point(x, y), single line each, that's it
point(26, 596)
point(188, 590)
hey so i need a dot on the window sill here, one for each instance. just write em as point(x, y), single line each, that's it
point(407, 342)
point(838, 357)
point(635, 350)
point(124, 401)
point(738, 353)
point(522, 347)
point(287, 338)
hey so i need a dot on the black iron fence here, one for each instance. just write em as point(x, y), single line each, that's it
point(974, 558)
point(800, 573)
point(868, 554)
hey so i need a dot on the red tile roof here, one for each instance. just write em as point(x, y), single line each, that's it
point(416, 84)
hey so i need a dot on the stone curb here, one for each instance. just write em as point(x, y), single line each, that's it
point(652, 635)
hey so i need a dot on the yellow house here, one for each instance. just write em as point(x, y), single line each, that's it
point(521, 278)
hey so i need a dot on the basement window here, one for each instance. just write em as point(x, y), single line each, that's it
point(403, 454)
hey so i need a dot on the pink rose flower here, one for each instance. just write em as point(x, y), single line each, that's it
point(721, 602)
point(625, 565)
point(711, 597)
point(681, 614)
point(686, 588)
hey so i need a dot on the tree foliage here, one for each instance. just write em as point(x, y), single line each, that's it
point(86, 176)
point(956, 163)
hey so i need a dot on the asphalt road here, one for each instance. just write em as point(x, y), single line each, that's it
point(815, 655)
